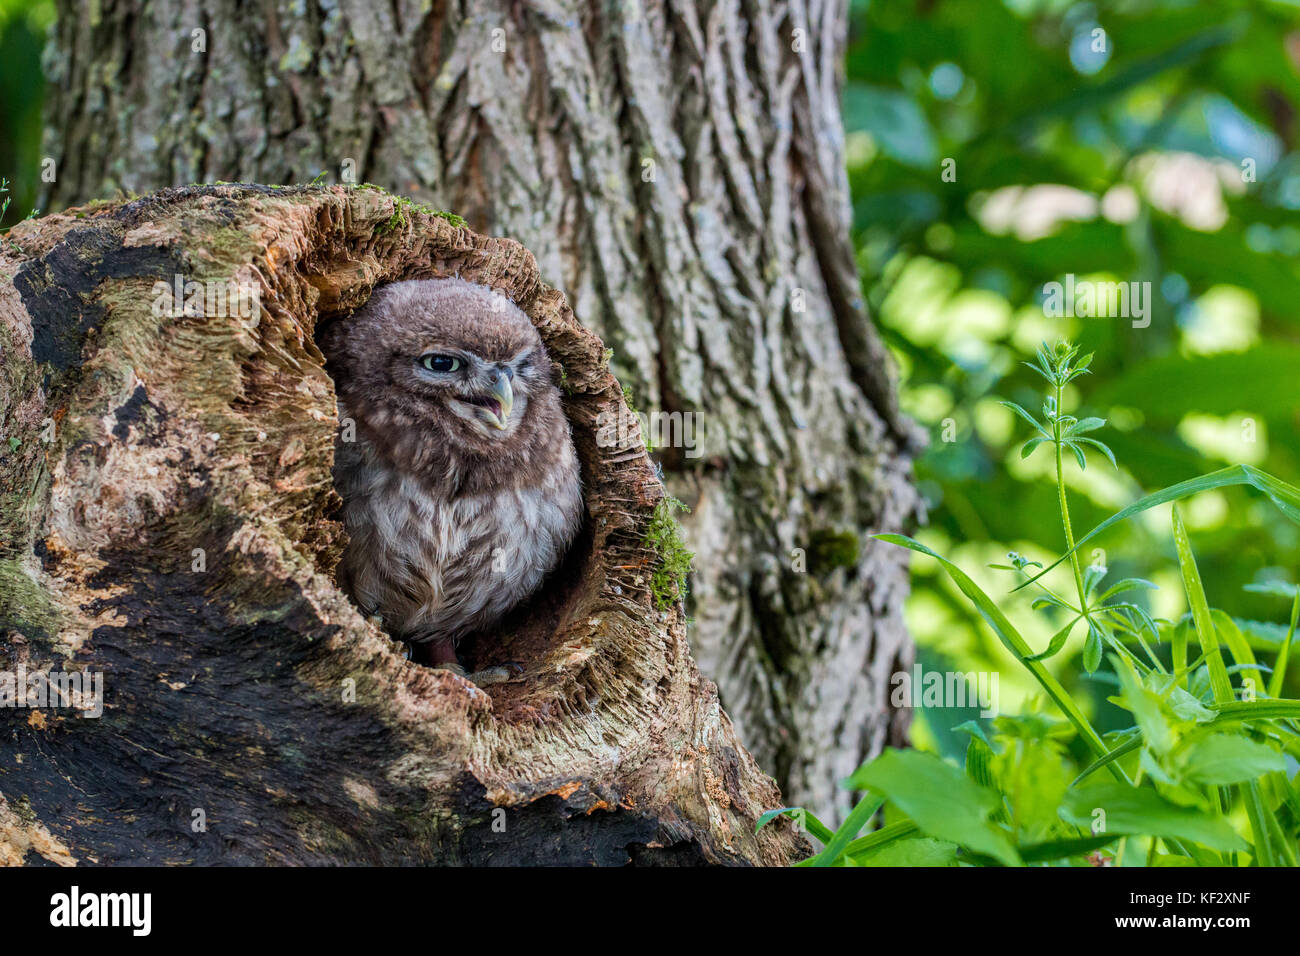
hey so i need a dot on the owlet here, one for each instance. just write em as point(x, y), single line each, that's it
point(461, 488)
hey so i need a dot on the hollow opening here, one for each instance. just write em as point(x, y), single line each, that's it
point(539, 634)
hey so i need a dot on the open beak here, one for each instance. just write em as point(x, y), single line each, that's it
point(498, 412)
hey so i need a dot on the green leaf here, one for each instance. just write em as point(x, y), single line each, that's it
point(1084, 425)
point(940, 799)
point(1184, 705)
point(1092, 576)
point(1221, 759)
point(917, 851)
point(1029, 418)
point(1145, 706)
point(1263, 825)
point(1104, 449)
point(1061, 849)
point(1092, 648)
point(979, 763)
point(1057, 642)
point(1141, 811)
point(1028, 447)
point(1128, 584)
point(1276, 588)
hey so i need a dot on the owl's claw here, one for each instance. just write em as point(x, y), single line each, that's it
point(499, 674)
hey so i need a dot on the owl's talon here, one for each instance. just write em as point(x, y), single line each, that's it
point(499, 674)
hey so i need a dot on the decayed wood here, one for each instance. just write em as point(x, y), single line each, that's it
point(678, 169)
point(166, 518)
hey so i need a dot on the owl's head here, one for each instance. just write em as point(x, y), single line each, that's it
point(443, 362)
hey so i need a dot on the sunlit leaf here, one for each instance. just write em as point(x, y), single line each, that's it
point(939, 798)
point(1221, 759)
point(1142, 811)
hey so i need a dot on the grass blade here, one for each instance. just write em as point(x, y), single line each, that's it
point(851, 827)
point(902, 830)
point(1205, 632)
point(1279, 666)
point(1127, 747)
point(815, 827)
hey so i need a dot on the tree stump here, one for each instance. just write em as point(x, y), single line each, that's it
point(167, 519)
point(678, 167)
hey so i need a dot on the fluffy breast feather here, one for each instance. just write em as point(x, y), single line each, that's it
point(439, 566)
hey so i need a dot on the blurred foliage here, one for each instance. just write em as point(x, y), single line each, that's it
point(1141, 141)
point(23, 27)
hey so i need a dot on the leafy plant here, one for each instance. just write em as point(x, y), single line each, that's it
point(1199, 778)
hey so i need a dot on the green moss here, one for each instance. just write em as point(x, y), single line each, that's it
point(829, 549)
point(673, 560)
point(24, 604)
point(400, 216)
point(229, 244)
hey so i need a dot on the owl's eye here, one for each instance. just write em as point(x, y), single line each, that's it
point(441, 363)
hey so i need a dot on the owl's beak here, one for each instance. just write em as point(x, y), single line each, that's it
point(505, 398)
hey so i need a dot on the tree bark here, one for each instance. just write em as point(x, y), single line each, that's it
point(168, 524)
point(678, 170)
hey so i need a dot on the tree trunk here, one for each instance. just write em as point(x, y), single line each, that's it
point(678, 171)
point(167, 524)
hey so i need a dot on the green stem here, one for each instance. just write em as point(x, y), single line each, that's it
point(1065, 508)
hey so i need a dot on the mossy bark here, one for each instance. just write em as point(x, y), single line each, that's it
point(174, 531)
point(678, 169)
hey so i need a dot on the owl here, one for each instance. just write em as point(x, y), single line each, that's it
point(460, 483)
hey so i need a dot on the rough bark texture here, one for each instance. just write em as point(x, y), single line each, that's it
point(678, 170)
point(228, 683)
